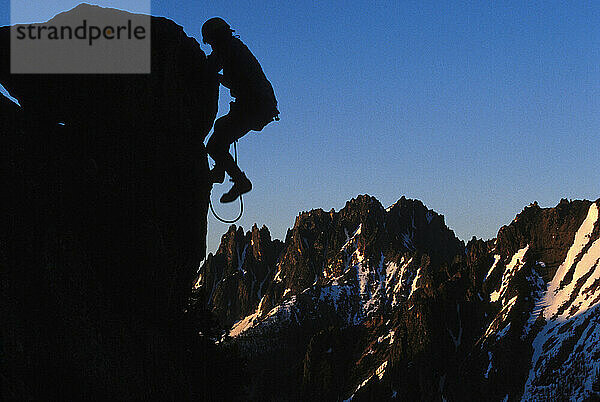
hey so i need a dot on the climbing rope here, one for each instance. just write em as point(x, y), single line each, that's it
point(235, 153)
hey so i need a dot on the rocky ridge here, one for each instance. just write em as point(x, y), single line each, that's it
point(372, 303)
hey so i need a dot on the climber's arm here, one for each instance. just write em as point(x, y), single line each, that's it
point(213, 63)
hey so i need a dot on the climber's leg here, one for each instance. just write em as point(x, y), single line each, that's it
point(227, 130)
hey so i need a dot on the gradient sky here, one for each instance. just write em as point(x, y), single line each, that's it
point(477, 108)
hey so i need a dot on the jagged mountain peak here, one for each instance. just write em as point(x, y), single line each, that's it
point(543, 286)
point(414, 212)
point(386, 255)
point(243, 266)
point(548, 231)
point(364, 205)
point(320, 244)
point(409, 220)
point(354, 267)
point(374, 297)
point(236, 234)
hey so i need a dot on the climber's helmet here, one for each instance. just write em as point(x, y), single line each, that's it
point(215, 30)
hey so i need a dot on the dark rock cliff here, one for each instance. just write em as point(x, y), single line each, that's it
point(104, 226)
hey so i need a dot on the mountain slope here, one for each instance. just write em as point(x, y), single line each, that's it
point(376, 304)
point(544, 287)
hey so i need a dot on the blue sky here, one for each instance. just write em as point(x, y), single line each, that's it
point(477, 108)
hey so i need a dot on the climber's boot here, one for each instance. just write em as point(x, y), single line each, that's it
point(241, 185)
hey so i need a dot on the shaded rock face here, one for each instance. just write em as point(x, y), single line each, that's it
point(105, 224)
point(386, 304)
point(548, 231)
point(242, 266)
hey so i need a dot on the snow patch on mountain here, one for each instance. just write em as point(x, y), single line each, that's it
point(241, 258)
point(364, 287)
point(568, 344)
point(496, 259)
point(500, 320)
point(351, 240)
point(396, 278)
point(243, 324)
point(489, 368)
point(415, 282)
point(379, 372)
point(558, 293)
point(429, 216)
point(333, 293)
point(511, 269)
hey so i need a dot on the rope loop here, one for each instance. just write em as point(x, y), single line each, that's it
point(241, 200)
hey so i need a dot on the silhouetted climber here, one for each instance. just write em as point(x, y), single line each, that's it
point(254, 107)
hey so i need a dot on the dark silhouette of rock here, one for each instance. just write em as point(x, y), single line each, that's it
point(104, 227)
